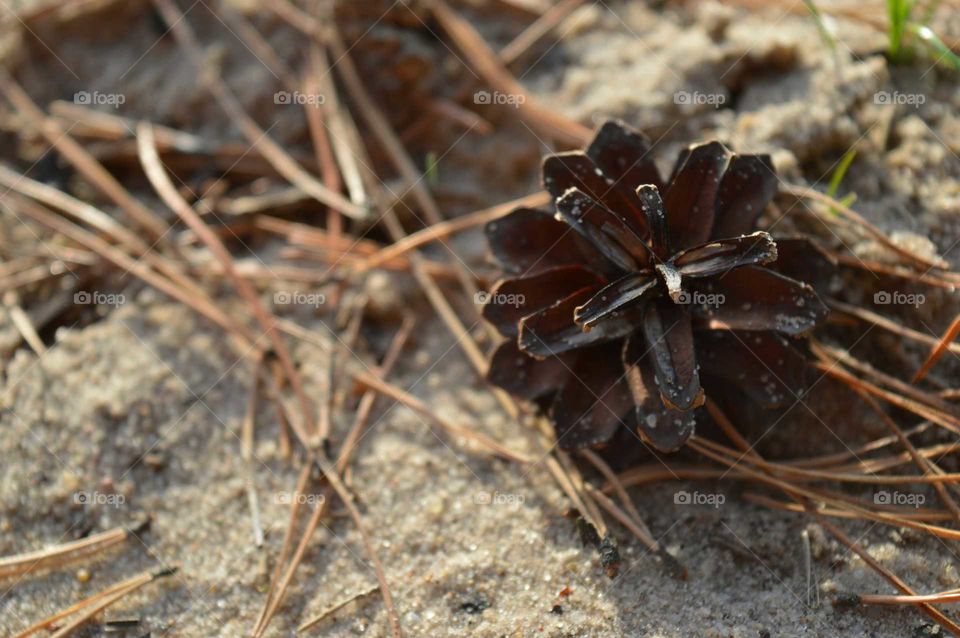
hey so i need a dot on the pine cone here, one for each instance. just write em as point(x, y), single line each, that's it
point(639, 295)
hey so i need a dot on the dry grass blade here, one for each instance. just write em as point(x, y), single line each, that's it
point(729, 458)
point(945, 342)
point(345, 141)
point(256, 136)
point(85, 163)
point(625, 519)
point(246, 452)
point(61, 555)
point(654, 473)
point(318, 134)
point(881, 464)
point(803, 474)
point(369, 397)
point(945, 420)
point(168, 193)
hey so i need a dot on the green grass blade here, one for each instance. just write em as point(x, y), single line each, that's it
point(936, 45)
point(825, 34)
point(841, 170)
point(898, 12)
point(837, 177)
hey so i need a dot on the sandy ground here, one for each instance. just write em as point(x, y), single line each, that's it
point(145, 405)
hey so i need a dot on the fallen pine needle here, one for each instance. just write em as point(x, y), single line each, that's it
point(945, 342)
point(334, 608)
point(99, 602)
point(168, 193)
point(61, 554)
